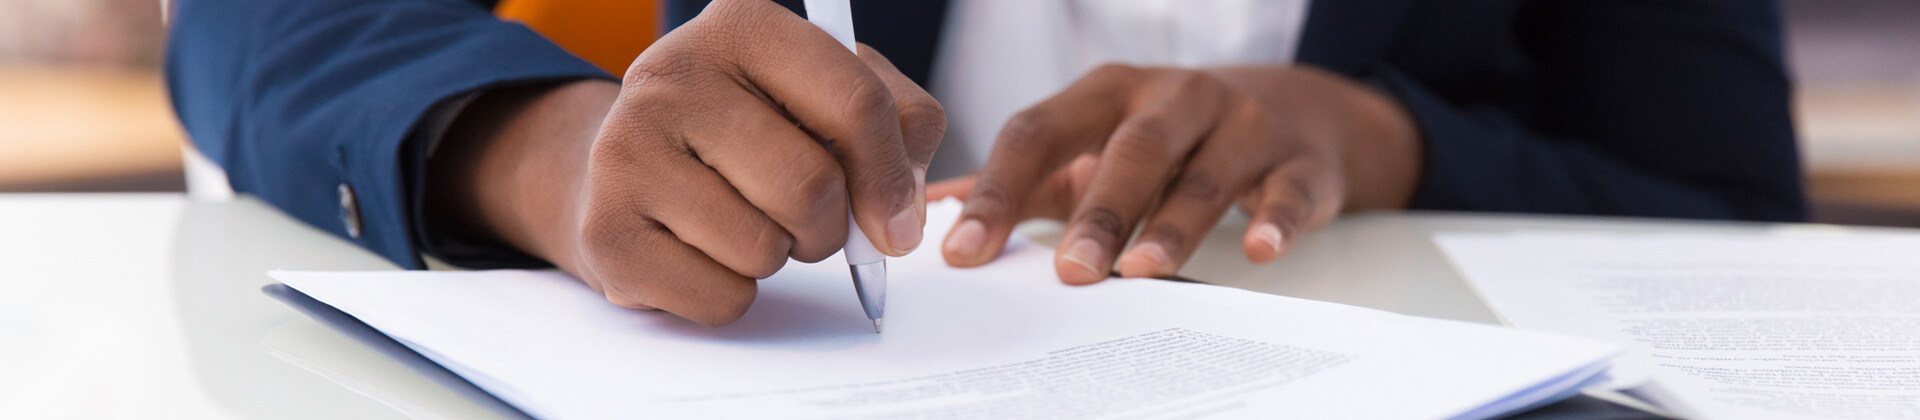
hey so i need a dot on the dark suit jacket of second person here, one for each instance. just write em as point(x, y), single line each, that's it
point(1664, 108)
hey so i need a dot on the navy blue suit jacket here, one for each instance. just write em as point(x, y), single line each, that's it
point(1669, 108)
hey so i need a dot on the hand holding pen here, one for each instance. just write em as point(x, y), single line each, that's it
point(705, 169)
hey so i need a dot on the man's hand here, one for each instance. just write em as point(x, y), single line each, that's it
point(735, 142)
point(1170, 149)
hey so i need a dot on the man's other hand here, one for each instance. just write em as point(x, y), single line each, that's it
point(1170, 149)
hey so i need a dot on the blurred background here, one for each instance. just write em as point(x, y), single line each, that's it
point(82, 108)
point(81, 103)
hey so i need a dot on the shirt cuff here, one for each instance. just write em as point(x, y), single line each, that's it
point(453, 249)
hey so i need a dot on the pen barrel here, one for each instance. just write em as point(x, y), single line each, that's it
point(859, 249)
point(869, 266)
point(870, 283)
point(835, 17)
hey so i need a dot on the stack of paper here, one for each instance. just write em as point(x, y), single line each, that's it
point(1785, 326)
point(1003, 341)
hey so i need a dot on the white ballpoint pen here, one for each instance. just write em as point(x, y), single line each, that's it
point(868, 265)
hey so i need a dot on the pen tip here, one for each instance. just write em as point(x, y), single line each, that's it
point(876, 325)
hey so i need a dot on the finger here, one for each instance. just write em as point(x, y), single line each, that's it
point(835, 96)
point(956, 188)
point(1136, 165)
point(707, 213)
point(923, 123)
point(1298, 197)
point(674, 277)
point(1061, 192)
point(1031, 146)
point(1229, 162)
point(777, 168)
point(1053, 198)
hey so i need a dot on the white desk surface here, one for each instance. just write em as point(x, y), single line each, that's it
point(149, 305)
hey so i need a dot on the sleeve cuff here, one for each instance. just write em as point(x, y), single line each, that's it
point(450, 249)
point(1457, 147)
point(389, 177)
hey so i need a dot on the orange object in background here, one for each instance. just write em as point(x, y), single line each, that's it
point(607, 33)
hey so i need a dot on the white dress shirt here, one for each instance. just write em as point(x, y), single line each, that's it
point(998, 57)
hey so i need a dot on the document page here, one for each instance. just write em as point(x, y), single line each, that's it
point(1723, 326)
point(1006, 340)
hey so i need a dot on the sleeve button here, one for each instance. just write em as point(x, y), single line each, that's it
point(349, 211)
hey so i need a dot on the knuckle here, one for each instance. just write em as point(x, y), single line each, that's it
point(727, 311)
point(755, 246)
point(989, 189)
point(870, 96)
point(815, 251)
point(1024, 133)
point(922, 106)
point(1169, 235)
point(1024, 125)
point(710, 297)
point(607, 266)
point(1112, 70)
point(895, 187)
point(819, 233)
point(1200, 186)
point(1101, 220)
point(770, 247)
point(891, 171)
point(727, 10)
point(1247, 110)
point(665, 67)
point(1292, 212)
point(1147, 130)
point(1067, 184)
point(618, 205)
point(1288, 219)
point(1138, 147)
point(623, 297)
point(637, 131)
point(1192, 82)
point(819, 186)
point(870, 106)
point(1302, 191)
point(1247, 124)
point(990, 196)
point(614, 228)
point(818, 222)
point(924, 115)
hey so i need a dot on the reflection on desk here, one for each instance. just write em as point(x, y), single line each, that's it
point(151, 305)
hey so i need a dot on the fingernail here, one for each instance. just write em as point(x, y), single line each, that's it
point(1085, 253)
point(966, 239)
point(1155, 257)
point(903, 230)
point(1268, 233)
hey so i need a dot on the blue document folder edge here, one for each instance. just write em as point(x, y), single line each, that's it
point(1574, 407)
point(392, 349)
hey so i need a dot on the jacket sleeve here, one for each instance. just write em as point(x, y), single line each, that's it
point(1664, 108)
point(311, 104)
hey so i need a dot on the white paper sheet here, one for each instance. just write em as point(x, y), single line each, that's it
point(1003, 341)
point(1723, 326)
